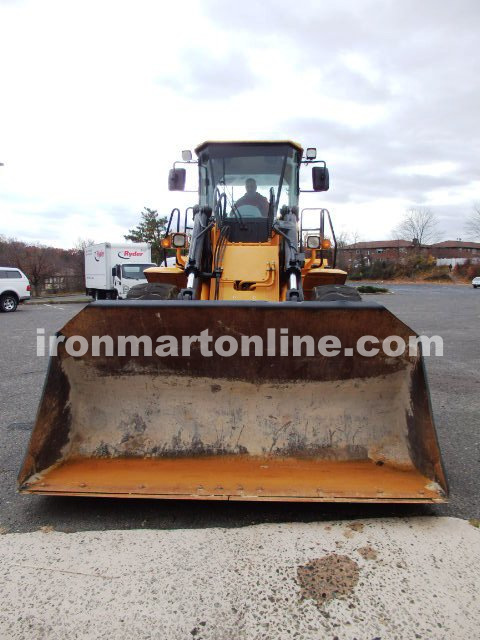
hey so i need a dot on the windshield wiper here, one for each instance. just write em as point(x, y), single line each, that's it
point(280, 183)
point(270, 203)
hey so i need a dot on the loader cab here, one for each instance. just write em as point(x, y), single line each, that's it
point(246, 184)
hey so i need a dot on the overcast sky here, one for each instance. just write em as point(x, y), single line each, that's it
point(99, 98)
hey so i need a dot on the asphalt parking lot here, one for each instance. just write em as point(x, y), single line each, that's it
point(452, 312)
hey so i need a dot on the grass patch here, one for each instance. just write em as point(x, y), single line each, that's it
point(368, 288)
point(442, 277)
point(475, 522)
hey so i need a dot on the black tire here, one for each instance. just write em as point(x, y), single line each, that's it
point(8, 302)
point(335, 292)
point(153, 291)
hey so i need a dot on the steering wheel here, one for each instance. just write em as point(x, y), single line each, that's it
point(245, 211)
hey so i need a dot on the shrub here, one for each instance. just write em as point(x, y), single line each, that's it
point(444, 277)
point(367, 288)
point(379, 270)
point(473, 271)
point(461, 270)
point(467, 270)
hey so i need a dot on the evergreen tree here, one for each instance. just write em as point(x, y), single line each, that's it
point(151, 229)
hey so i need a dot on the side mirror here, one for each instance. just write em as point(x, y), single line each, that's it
point(114, 271)
point(187, 155)
point(320, 178)
point(176, 179)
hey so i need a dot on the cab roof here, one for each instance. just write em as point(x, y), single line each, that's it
point(202, 146)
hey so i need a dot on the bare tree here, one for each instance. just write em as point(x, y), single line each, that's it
point(38, 263)
point(342, 239)
point(35, 260)
point(82, 243)
point(418, 225)
point(75, 257)
point(473, 224)
point(355, 237)
point(347, 238)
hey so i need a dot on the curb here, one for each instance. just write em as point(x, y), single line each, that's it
point(78, 300)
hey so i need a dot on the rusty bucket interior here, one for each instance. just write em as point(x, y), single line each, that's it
point(265, 426)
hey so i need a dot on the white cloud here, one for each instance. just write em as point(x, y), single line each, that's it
point(99, 99)
point(436, 169)
point(362, 65)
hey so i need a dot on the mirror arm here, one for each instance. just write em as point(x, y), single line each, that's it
point(183, 162)
point(313, 162)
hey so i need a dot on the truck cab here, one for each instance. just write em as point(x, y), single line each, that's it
point(126, 276)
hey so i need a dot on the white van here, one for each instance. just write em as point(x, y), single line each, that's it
point(14, 288)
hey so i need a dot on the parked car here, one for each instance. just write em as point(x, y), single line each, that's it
point(14, 288)
point(476, 282)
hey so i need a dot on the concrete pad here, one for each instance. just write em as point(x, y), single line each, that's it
point(389, 579)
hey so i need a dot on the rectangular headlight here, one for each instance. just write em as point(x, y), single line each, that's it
point(179, 240)
point(313, 242)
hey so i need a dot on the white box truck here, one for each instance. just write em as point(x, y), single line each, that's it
point(112, 269)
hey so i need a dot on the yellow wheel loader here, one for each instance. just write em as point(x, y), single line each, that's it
point(246, 370)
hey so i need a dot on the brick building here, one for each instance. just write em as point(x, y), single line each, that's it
point(455, 252)
point(449, 252)
point(385, 250)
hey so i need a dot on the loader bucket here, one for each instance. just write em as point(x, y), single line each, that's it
point(264, 426)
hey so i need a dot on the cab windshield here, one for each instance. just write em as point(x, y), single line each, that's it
point(135, 271)
point(248, 181)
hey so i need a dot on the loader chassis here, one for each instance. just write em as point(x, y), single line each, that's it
point(269, 426)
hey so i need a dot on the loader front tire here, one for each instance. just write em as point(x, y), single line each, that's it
point(153, 291)
point(335, 292)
